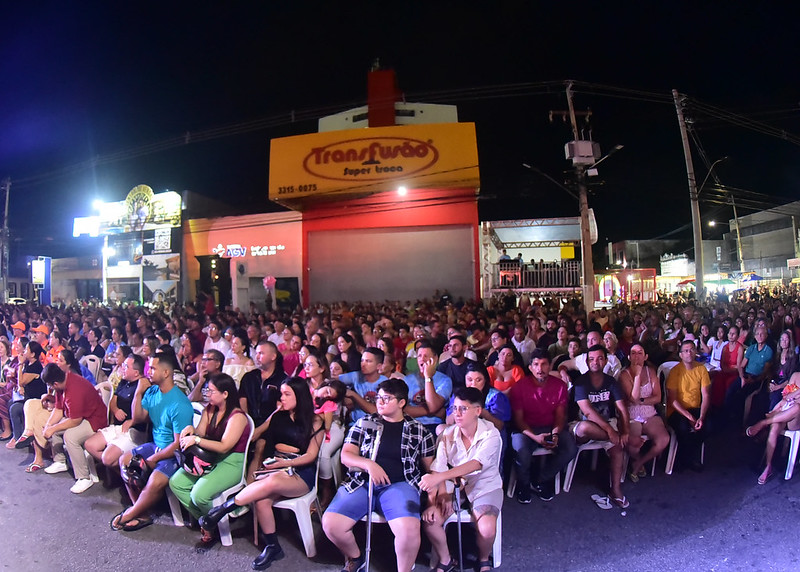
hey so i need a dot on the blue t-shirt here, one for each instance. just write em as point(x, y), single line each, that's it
point(756, 360)
point(364, 388)
point(416, 393)
point(169, 413)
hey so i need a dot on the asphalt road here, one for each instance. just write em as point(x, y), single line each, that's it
point(717, 520)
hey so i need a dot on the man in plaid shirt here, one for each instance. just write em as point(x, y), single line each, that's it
point(404, 454)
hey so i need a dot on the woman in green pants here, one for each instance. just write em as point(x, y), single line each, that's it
point(224, 430)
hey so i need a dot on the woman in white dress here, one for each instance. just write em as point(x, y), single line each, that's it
point(239, 363)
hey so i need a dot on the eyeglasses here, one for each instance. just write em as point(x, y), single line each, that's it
point(461, 409)
point(384, 398)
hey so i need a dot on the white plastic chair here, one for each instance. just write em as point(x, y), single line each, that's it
point(497, 547)
point(627, 460)
point(301, 507)
point(512, 478)
point(672, 451)
point(224, 525)
point(94, 364)
point(588, 446)
point(794, 444)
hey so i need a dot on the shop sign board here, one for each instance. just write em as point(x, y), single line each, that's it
point(356, 161)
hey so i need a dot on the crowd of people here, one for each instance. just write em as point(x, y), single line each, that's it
point(399, 403)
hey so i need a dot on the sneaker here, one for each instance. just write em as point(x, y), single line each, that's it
point(80, 486)
point(546, 491)
point(354, 564)
point(523, 495)
point(57, 467)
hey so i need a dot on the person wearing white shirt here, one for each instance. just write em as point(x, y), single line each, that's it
point(215, 341)
point(472, 447)
point(523, 343)
point(613, 366)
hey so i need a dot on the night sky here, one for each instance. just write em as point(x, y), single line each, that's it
point(103, 80)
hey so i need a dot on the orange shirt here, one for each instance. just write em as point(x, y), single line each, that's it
point(516, 374)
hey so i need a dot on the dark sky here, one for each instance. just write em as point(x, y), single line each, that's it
point(86, 80)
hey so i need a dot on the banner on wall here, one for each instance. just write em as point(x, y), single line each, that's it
point(361, 161)
point(161, 267)
point(158, 291)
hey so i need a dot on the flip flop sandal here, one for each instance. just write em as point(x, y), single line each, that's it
point(634, 477)
point(748, 433)
point(602, 502)
point(140, 523)
point(621, 502)
point(763, 480)
point(116, 519)
point(33, 467)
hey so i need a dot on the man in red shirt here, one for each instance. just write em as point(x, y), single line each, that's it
point(539, 408)
point(78, 413)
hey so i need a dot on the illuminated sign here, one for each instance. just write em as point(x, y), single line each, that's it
point(443, 155)
point(141, 210)
point(37, 271)
point(239, 251)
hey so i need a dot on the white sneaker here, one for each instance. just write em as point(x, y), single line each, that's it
point(95, 478)
point(81, 485)
point(57, 467)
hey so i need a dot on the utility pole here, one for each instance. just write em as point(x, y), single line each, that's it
point(696, 228)
point(587, 264)
point(4, 251)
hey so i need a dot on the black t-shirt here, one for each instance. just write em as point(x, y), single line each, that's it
point(81, 342)
point(98, 351)
point(389, 454)
point(458, 373)
point(262, 396)
point(35, 388)
point(125, 392)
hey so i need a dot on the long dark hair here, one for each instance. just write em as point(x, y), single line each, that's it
point(304, 410)
point(223, 382)
point(71, 361)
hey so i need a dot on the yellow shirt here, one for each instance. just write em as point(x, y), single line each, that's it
point(687, 383)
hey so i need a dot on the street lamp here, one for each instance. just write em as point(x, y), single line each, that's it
point(710, 170)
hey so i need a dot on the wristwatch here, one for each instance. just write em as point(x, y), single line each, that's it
point(196, 439)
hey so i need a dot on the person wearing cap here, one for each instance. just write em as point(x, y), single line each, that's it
point(40, 334)
point(77, 413)
point(18, 329)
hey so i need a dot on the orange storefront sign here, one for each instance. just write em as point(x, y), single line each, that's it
point(360, 161)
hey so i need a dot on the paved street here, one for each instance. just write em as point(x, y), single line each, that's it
point(717, 520)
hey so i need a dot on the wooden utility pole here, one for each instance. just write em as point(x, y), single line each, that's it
point(695, 204)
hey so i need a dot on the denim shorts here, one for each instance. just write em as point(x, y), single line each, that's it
point(390, 501)
point(168, 466)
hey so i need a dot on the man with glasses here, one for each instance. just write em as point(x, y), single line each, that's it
point(688, 400)
point(472, 447)
point(210, 365)
point(121, 436)
point(404, 453)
